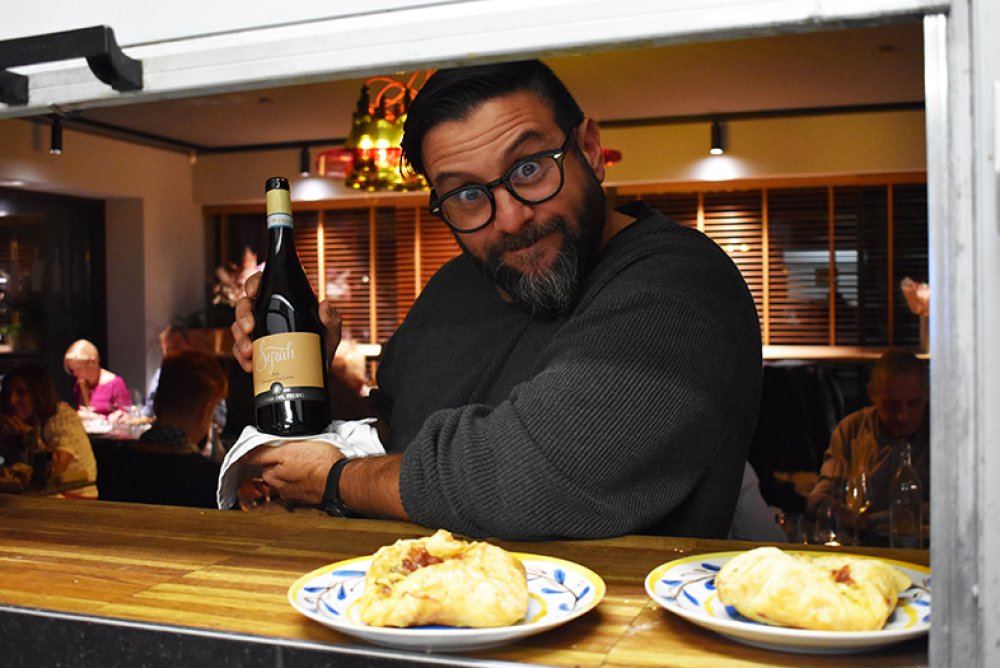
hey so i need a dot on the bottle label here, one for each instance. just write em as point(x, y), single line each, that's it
point(278, 220)
point(279, 208)
point(287, 367)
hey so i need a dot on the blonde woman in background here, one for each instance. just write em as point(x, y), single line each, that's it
point(96, 390)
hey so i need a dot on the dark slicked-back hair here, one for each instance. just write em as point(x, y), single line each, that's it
point(452, 94)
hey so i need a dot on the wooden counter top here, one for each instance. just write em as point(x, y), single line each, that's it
point(95, 582)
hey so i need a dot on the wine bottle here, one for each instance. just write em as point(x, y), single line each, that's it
point(289, 358)
point(906, 501)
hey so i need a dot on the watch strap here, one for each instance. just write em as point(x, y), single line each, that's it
point(331, 502)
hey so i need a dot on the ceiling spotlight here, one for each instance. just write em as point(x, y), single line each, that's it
point(55, 137)
point(304, 161)
point(718, 138)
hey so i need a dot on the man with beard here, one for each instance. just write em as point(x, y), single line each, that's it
point(575, 372)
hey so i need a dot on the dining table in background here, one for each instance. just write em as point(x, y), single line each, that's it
point(101, 583)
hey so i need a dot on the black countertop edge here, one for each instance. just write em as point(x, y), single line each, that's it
point(36, 638)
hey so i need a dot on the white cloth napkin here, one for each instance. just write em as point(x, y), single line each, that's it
point(354, 438)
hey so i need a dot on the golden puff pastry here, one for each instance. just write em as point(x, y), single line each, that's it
point(441, 580)
point(820, 591)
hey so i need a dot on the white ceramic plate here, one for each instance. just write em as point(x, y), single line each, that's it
point(686, 587)
point(559, 591)
point(97, 427)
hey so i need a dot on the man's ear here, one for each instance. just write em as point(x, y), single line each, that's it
point(588, 138)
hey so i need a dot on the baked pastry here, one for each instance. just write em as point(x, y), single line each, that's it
point(819, 591)
point(441, 580)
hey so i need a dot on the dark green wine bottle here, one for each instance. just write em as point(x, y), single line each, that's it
point(289, 355)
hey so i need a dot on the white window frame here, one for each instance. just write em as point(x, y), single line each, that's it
point(962, 74)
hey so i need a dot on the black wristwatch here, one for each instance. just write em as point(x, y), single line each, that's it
point(331, 502)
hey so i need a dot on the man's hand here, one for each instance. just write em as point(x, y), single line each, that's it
point(297, 471)
point(243, 325)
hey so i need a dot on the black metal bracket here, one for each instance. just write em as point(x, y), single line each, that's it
point(96, 44)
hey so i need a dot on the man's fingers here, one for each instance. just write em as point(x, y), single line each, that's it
point(263, 455)
point(252, 285)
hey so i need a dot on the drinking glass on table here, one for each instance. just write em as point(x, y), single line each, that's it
point(857, 499)
point(794, 526)
point(833, 525)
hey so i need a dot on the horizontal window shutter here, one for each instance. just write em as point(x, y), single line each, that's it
point(798, 266)
point(346, 255)
point(437, 246)
point(909, 256)
point(860, 241)
point(734, 220)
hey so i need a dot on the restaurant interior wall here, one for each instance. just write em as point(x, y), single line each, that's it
point(155, 262)
point(857, 143)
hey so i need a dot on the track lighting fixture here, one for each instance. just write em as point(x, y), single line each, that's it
point(718, 138)
point(304, 161)
point(55, 136)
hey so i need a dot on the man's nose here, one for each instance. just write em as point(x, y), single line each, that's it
point(511, 213)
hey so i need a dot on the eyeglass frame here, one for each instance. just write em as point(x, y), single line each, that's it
point(557, 154)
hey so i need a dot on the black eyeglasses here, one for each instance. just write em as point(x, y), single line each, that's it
point(531, 180)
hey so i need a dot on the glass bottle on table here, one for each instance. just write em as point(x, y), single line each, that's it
point(906, 499)
point(289, 356)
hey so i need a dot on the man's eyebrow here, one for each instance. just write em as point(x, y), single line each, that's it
point(508, 152)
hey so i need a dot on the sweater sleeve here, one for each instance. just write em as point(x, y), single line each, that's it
point(643, 392)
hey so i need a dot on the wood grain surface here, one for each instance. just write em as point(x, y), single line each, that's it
point(230, 572)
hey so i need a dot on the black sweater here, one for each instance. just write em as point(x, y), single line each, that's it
point(632, 414)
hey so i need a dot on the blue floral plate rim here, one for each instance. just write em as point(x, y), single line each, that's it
point(559, 590)
point(685, 587)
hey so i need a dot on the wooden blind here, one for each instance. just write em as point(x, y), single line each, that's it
point(823, 262)
point(681, 207)
point(860, 229)
point(437, 246)
point(734, 220)
point(909, 245)
point(798, 266)
point(408, 260)
point(306, 232)
point(347, 273)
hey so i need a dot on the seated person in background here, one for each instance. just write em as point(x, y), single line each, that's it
point(173, 340)
point(872, 437)
point(97, 390)
point(754, 519)
point(165, 466)
point(28, 402)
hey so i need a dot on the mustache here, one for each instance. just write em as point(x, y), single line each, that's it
point(515, 242)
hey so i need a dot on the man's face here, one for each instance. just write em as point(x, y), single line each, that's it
point(536, 253)
point(901, 401)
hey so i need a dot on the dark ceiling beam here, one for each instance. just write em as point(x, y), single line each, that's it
point(77, 121)
point(762, 114)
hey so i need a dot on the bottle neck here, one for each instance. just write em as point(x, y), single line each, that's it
point(906, 455)
point(281, 239)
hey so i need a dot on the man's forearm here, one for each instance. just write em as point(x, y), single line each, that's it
point(370, 487)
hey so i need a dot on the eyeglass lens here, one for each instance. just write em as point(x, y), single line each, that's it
point(532, 180)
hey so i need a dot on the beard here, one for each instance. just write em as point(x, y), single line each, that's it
point(553, 291)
